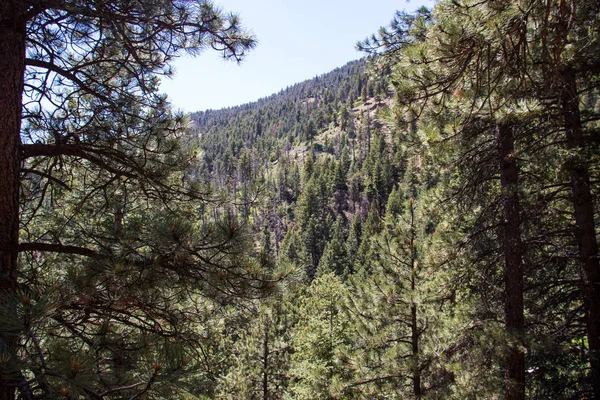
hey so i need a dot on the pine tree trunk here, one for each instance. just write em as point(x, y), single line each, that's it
point(265, 366)
point(585, 231)
point(415, 351)
point(12, 67)
point(415, 334)
point(513, 264)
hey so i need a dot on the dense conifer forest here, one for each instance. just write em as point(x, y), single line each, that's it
point(421, 223)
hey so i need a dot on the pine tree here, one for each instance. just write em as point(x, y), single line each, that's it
point(261, 355)
point(507, 70)
point(320, 334)
point(311, 220)
point(311, 131)
point(464, 74)
point(82, 125)
point(354, 239)
point(395, 313)
point(572, 58)
point(266, 250)
point(335, 256)
point(395, 204)
point(372, 226)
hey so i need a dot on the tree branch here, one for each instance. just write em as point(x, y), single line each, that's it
point(58, 248)
point(38, 149)
point(66, 74)
point(45, 175)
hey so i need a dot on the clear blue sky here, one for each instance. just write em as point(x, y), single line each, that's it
point(297, 40)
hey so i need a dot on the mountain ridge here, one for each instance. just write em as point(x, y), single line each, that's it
point(294, 117)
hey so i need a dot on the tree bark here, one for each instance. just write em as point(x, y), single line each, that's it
point(416, 378)
point(513, 264)
point(585, 231)
point(265, 366)
point(12, 68)
point(414, 327)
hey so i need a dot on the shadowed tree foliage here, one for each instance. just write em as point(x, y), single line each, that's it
point(515, 70)
point(104, 239)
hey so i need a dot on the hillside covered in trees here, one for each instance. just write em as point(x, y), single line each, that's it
point(417, 224)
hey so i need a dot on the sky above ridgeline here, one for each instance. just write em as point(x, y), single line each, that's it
point(297, 40)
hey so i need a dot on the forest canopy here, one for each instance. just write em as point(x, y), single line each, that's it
point(421, 223)
point(107, 248)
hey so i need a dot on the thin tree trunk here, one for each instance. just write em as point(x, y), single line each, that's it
point(513, 264)
point(414, 328)
point(265, 359)
point(585, 231)
point(12, 67)
point(415, 350)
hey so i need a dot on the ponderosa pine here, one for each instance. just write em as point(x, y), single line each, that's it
point(79, 103)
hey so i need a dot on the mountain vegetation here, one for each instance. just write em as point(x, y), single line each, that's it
point(420, 223)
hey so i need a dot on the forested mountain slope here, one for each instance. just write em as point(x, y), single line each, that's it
point(419, 225)
point(432, 219)
point(337, 123)
point(292, 118)
point(320, 172)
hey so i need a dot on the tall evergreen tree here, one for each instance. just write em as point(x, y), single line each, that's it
point(490, 65)
point(81, 120)
point(319, 336)
point(480, 78)
point(261, 355)
point(372, 226)
point(395, 316)
point(335, 256)
point(570, 66)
